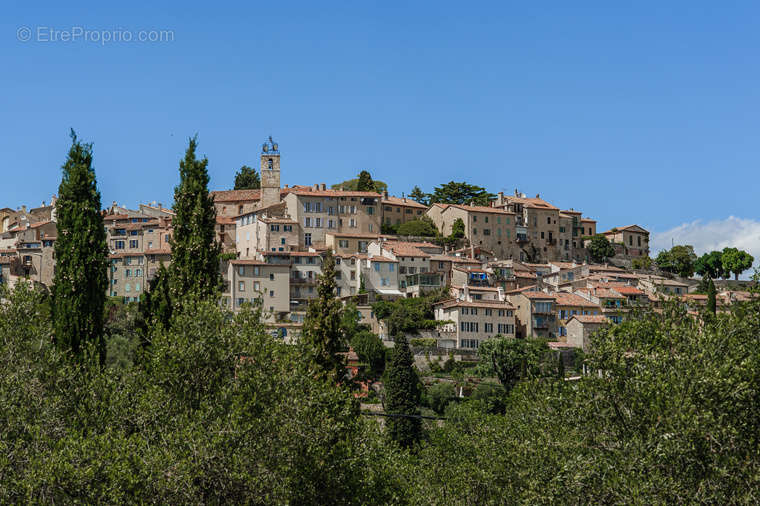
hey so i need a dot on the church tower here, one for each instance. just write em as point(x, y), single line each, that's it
point(270, 173)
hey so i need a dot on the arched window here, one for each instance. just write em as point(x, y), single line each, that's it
point(270, 164)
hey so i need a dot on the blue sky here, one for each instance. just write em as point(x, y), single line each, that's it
point(644, 113)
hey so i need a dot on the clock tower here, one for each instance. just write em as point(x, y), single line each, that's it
point(270, 173)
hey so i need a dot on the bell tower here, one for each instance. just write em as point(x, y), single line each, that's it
point(270, 173)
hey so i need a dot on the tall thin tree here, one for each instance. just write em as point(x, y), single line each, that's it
point(194, 269)
point(402, 395)
point(322, 334)
point(81, 252)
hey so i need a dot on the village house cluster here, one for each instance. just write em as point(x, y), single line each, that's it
point(520, 270)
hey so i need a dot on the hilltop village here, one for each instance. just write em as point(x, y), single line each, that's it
point(519, 267)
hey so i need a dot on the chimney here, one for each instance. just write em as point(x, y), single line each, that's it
point(286, 186)
point(500, 293)
point(43, 203)
point(538, 195)
point(316, 187)
point(466, 293)
point(159, 206)
point(517, 194)
point(23, 208)
point(472, 203)
point(385, 194)
point(113, 203)
point(324, 187)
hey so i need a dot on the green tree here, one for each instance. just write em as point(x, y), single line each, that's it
point(678, 260)
point(370, 350)
point(512, 360)
point(736, 261)
point(353, 184)
point(402, 395)
point(419, 196)
point(710, 265)
point(322, 335)
point(156, 304)
point(460, 193)
point(643, 263)
point(247, 179)
point(457, 229)
point(711, 296)
point(440, 395)
point(194, 269)
point(365, 183)
point(81, 252)
point(600, 249)
point(423, 227)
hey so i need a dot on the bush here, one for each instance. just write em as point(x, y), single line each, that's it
point(439, 395)
point(423, 342)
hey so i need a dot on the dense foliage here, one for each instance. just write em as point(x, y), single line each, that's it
point(247, 179)
point(216, 410)
point(402, 395)
point(460, 193)
point(322, 336)
point(419, 196)
point(423, 227)
point(362, 182)
point(195, 252)
point(599, 249)
point(81, 272)
point(679, 260)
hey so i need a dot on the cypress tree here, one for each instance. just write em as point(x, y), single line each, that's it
point(402, 395)
point(711, 295)
point(81, 252)
point(322, 334)
point(194, 269)
point(155, 305)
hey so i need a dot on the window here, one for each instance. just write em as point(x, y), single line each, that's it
point(377, 267)
point(271, 293)
point(318, 222)
point(271, 276)
point(307, 239)
point(488, 327)
point(256, 286)
point(240, 302)
point(241, 270)
point(274, 228)
point(128, 273)
point(474, 219)
point(391, 267)
point(370, 211)
point(133, 232)
point(256, 270)
point(352, 223)
point(137, 287)
point(282, 241)
point(317, 207)
point(307, 222)
point(362, 246)
point(127, 287)
point(343, 243)
point(241, 286)
point(489, 312)
point(486, 231)
point(287, 228)
point(138, 273)
point(118, 245)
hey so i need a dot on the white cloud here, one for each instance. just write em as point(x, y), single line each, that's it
point(713, 235)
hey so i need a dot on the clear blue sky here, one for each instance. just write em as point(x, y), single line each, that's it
point(642, 113)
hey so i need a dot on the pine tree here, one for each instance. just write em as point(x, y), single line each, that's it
point(402, 395)
point(365, 183)
point(247, 179)
point(81, 252)
point(711, 296)
point(322, 334)
point(194, 269)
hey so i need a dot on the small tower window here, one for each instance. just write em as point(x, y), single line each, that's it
point(270, 164)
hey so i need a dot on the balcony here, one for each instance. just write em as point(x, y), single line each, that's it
point(521, 238)
point(303, 281)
